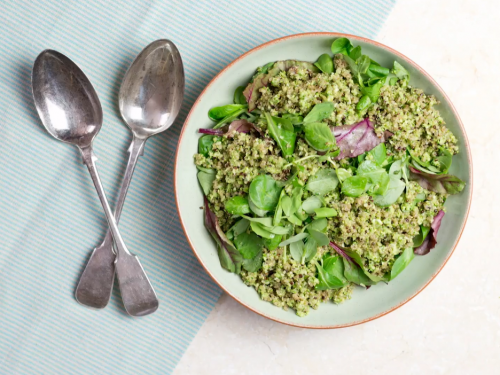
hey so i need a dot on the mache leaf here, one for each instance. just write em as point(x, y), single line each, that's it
point(324, 181)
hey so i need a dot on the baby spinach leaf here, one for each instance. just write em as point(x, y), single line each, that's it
point(430, 169)
point(364, 103)
point(324, 181)
point(282, 131)
point(352, 270)
point(443, 183)
point(205, 144)
point(325, 212)
point(376, 175)
point(294, 220)
point(264, 192)
point(286, 204)
point(254, 264)
point(355, 186)
point(310, 250)
point(206, 179)
point(319, 225)
point(355, 53)
point(324, 63)
point(328, 155)
point(297, 193)
point(257, 211)
point(400, 169)
point(343, 174)
point(301, 215)
point(278, 229)
point(248, 244)
point(239, 227)
point(297, 237)
point(379, 154)
point(418, 240)
point(219, 113)
point(229, 118)
point(237, 205)
point(363, 63)
point(331, 273)
point(278, 213)
point(431, 240)
point(293, 118)
point(400, 71)
point(319, 136)
point(319, 112)
point(342, 45)
point(352, 66)
point(354, 274)
point(296, 250)
point(445, 160)
point(261, 230)
point(311, 203)
point(373, 92)
point(266, 221)
point(357, 259)
point(402, 262)
point(320, 238)
point(354, 140)
point(238, 97)
point(378, 71)
point(230, 258)
point(272, 243)
point(393, 192)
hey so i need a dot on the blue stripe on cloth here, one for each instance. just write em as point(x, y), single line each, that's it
point(50, 215)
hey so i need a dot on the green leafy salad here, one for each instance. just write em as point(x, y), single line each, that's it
point(323, 176)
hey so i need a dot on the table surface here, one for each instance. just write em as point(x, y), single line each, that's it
point(453, 327)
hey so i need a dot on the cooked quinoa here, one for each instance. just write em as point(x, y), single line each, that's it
point(378, 234)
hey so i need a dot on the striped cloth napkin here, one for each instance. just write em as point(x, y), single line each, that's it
point(51, 218)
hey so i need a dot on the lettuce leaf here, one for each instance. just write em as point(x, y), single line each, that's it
point(438, 183)
point(354, 140)
point(431, 240)
point(230, 258)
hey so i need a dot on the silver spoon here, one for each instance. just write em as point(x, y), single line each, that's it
point(150, 99)
point(71, 112)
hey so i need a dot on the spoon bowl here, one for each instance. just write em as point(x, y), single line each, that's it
point(67, 103)
point(152, 90)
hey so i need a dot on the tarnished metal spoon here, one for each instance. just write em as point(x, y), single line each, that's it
point(71, 112)
point(150, 99)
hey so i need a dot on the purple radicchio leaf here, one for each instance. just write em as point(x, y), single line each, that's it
point(438, 183)
point(354, 140)
point(431, 239)
point(252, 93)
point(229, 257)
point(211, 131)
point(237, 126)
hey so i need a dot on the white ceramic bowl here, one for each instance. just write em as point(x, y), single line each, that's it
point(365, 305)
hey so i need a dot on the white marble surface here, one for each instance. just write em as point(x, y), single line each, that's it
point(453, 326)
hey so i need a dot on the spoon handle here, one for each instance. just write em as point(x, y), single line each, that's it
point(96, 282)
point(138, 295)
